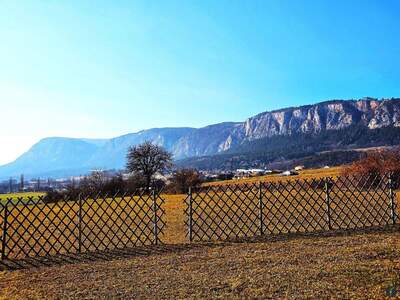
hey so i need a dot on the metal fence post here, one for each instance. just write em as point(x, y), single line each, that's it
point(260, 206)
point(392, 200)
point(80, 224)
point(190, 214)
point(327, 203)
point(4, 233)
point(155, 219)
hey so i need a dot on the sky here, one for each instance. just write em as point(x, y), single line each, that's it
point(100, 69)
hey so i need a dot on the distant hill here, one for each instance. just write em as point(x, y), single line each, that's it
point(60, 157)
point(266, 138)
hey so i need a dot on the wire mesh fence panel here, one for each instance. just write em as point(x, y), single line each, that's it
point(223, 212)
point(2, 228)
point(118, 222)
point(31, 227)
point(360, 201)
point(35, 228)
point(295, 206)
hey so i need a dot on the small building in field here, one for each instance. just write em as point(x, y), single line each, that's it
point(289, 173)
point(246, 173)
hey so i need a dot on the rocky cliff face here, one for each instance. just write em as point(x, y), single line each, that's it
point(330, 115)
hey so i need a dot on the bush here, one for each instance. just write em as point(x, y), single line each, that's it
point(134, 183)
point(114, 186)
point(376, 164)
point(53, 197)
point(183, 179)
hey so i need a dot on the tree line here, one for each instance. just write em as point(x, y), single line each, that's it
point(146, 164)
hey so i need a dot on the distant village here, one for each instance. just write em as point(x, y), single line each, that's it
point(15, 185)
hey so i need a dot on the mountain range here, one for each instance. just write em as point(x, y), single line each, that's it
point(262, 139)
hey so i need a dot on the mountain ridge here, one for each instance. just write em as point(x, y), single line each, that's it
point(58, 153)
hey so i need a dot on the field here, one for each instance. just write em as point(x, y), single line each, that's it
point(304, 174)
point(361, 265)
point(358, 264)
point(174, 204)
point(21, 195)
point(39, 229)
point(15, 196)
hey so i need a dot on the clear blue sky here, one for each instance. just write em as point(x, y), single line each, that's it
point(105, 68)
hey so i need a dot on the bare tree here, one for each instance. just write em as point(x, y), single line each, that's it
point(92, 184)
point(148, 159)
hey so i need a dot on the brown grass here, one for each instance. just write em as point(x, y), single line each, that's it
point(361, 265)
point(340, 265)
point(305, 174)
point(174, 216)
point(40, 229)
point(174, 204)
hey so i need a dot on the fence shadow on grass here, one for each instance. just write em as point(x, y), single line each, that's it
point(109, 255)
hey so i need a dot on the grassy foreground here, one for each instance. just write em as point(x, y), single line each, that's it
point(359, 265)
point(340, 265)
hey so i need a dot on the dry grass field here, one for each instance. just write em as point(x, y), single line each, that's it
point(31, 195)
point(23, 195)
point(340, 264)
point(304, 174)
point(361, 265)
point(174, 204)
point(37, 229)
